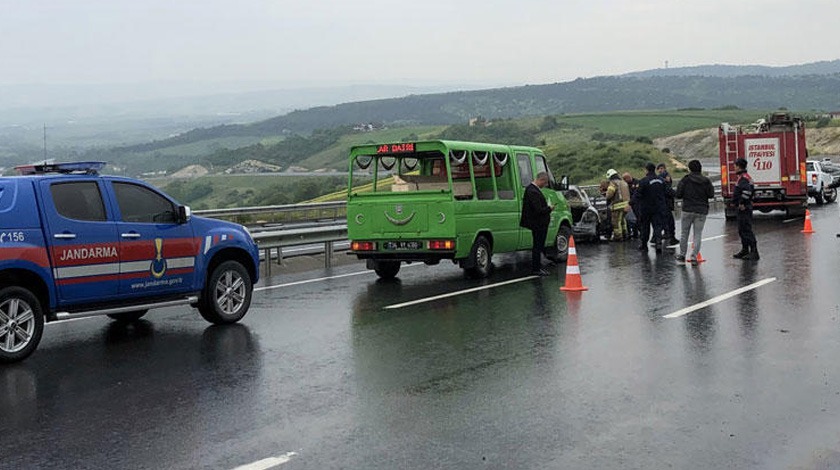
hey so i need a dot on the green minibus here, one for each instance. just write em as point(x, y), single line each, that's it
point(435, 200)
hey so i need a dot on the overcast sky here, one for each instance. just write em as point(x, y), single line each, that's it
point(295, 43)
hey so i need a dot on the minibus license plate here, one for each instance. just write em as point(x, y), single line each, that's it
point(403, 245)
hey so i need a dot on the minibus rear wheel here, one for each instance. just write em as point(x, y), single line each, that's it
point(387, 269)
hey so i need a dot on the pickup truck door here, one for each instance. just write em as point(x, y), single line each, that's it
point(82, 240)
point(157, 253)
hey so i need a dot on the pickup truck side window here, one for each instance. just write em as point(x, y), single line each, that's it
point(79, 200)
point(140, 204)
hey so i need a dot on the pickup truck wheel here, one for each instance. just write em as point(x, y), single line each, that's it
point(481, 257)
point(21, 324)
point(387, 269)
point(820, 197)
point(560, 250)
point(128, 317)
point(830, 195)
point(227, 295)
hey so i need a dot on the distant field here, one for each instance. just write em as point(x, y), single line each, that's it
point(204, 147)
point(655, 124)
point(233, 190)
point(336, 156)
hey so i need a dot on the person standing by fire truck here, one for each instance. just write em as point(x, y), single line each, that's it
point(743, 197)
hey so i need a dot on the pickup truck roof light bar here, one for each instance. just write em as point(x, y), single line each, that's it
point(79, 168)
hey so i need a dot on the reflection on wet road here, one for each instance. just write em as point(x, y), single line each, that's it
point(321, 374)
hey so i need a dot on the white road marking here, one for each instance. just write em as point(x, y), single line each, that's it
point(319, 279)
point(309, 281)
point(704, 239)
point(460, 292)
point(792, 220)
point(270, 462)
point(720, 298)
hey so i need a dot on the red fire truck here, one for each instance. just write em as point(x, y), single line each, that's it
point(775, 152)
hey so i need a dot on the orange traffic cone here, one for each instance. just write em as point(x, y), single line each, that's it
point(808, 228)
point(574, 283)
point(699, 255)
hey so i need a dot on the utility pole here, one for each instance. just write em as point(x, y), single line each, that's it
point(45, 143)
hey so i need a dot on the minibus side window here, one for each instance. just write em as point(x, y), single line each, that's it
point(525, 174)
point(504, 175)
point(539, 161)
point(482, 163)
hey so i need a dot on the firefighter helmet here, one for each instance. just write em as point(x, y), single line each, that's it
point(611, 173)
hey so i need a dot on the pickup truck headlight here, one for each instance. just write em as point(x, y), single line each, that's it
point(589, 217)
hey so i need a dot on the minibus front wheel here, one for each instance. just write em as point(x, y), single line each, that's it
point(480, 261)
point(561, 244)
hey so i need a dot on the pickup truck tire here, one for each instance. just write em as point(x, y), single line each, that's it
point(481, 257)
point(820, 196)
point(830, 195)
point(21, 324)
point(387, 269)
point(227, 295)
point(127, 317)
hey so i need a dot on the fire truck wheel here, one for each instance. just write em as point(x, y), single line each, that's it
point(387, 269)
point(127, 317)
point(227, 295)
point(481, 257)
point(21, 323)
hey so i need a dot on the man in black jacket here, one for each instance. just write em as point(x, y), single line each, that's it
point(650, 198)
point(695, 190)
point(536, 216)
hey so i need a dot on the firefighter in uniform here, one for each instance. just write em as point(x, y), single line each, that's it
point(618, 198)
point(742, 197)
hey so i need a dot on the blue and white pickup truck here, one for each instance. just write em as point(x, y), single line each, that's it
point(76, 244)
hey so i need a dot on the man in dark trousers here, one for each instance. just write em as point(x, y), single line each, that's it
point(650, 198)
point(668, 223)
point(536, 216)
point(742, 197)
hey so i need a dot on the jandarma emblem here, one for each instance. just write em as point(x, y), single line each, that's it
point(398, 209)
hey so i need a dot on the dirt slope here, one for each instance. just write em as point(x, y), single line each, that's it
point(703, 144)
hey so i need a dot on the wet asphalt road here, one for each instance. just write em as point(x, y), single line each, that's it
point(518, 376)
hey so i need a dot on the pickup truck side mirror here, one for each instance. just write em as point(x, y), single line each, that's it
point(184, 214)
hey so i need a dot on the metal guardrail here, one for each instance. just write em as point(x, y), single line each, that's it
point(276, 240)
point(305, 211)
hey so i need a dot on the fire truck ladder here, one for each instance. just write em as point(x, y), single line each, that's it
point(731, 141)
